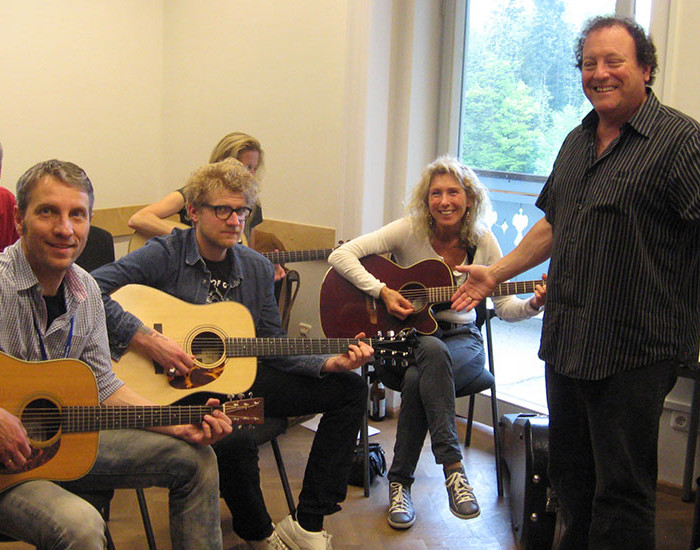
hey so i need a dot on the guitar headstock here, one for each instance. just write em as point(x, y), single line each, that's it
point(395, 349)
point(245, 411)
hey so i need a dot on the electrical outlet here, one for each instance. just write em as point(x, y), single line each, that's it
point(304, 330)
point(679, 421)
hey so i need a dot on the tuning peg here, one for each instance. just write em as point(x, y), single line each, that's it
point(390, 334)
point(379, 334)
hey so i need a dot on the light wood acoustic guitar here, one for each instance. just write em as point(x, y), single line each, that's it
point(276, 257)
point(57, 402)
point(221, 337)
point(346, 310)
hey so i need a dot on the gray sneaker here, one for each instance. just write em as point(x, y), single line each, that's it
point(401, 514)
point(461, 495)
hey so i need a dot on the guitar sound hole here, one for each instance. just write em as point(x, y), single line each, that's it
point(208, 348)
point(42, 420)
point(416, 294)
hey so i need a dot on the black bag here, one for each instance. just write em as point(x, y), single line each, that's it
point(377, 464)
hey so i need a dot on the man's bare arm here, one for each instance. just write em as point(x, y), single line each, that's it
point(534, 249)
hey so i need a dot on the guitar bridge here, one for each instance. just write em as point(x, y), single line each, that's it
point(372, 310)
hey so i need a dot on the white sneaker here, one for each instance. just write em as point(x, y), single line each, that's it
point(273, 542)
point(298, 538)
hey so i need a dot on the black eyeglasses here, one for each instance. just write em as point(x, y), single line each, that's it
point(223, 211)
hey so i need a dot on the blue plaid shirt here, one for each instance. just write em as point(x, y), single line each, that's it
point(22, 302)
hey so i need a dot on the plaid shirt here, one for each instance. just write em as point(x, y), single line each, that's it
point(22, 304)
point(624, 278)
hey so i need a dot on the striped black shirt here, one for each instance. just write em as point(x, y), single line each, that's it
point(624, 277)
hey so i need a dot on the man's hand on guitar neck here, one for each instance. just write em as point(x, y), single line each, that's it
point(356, 356)
point(163, 350)
point(212, 427)
point(395, 303)
point(14, 444)
point(209, 431)
point(479, 284)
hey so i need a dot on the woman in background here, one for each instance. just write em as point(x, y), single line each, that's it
point(151, 220)
point(445, 220)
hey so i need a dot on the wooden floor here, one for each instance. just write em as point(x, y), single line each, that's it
point(361, 525)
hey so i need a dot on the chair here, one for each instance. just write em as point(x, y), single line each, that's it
point(99, 249)
point(288, 290)
point(270, 430)
point(470, 392)
point(490, 314)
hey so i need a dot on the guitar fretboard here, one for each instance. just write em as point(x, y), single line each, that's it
point(95, 418)
point(284, 256)
point(75, 419)
point(444, 293)
point(261, 347)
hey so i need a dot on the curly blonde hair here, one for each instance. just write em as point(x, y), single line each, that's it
point(228, 175)
point(473, 223)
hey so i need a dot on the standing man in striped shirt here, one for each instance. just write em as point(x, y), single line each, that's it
point(622, 228)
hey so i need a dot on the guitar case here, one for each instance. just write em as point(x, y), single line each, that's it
point(524, 438)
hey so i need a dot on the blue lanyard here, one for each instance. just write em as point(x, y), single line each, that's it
point(69, 340)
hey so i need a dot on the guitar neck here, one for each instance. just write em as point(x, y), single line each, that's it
point(285, 256)
point(517, 287)
point(444, 293)
point(78, 419)
point(266, 347)
point(96, 418)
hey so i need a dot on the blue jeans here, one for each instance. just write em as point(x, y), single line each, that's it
point(455, 360)
point(342, 398)
point(46, 515)
point(603, 437)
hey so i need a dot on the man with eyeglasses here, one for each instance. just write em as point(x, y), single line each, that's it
point(206, 264)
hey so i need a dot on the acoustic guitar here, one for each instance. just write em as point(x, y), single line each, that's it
point(346, 310)
point(57, 402)
point(220, 336)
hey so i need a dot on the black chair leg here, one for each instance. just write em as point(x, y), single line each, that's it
point(108, 535)
point(470, 420)
point(494, 406)
point(147, 527)
point(283, 476)
point(364, 435)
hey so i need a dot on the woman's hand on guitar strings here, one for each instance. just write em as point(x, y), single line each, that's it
point(395, 303)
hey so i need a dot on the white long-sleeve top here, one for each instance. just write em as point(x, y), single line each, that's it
point(401, 240)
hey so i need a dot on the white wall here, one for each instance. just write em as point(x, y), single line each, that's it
point(81, 81)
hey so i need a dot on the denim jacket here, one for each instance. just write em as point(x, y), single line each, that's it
point(172, 263)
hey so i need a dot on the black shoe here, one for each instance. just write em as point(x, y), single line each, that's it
point(401, 514)
point(461, 495)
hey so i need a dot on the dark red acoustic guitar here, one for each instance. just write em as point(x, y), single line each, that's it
point(346, 310)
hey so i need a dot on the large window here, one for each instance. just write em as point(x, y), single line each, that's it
point(520, 96)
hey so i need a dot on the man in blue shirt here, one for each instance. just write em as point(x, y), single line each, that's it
point(205, 264)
